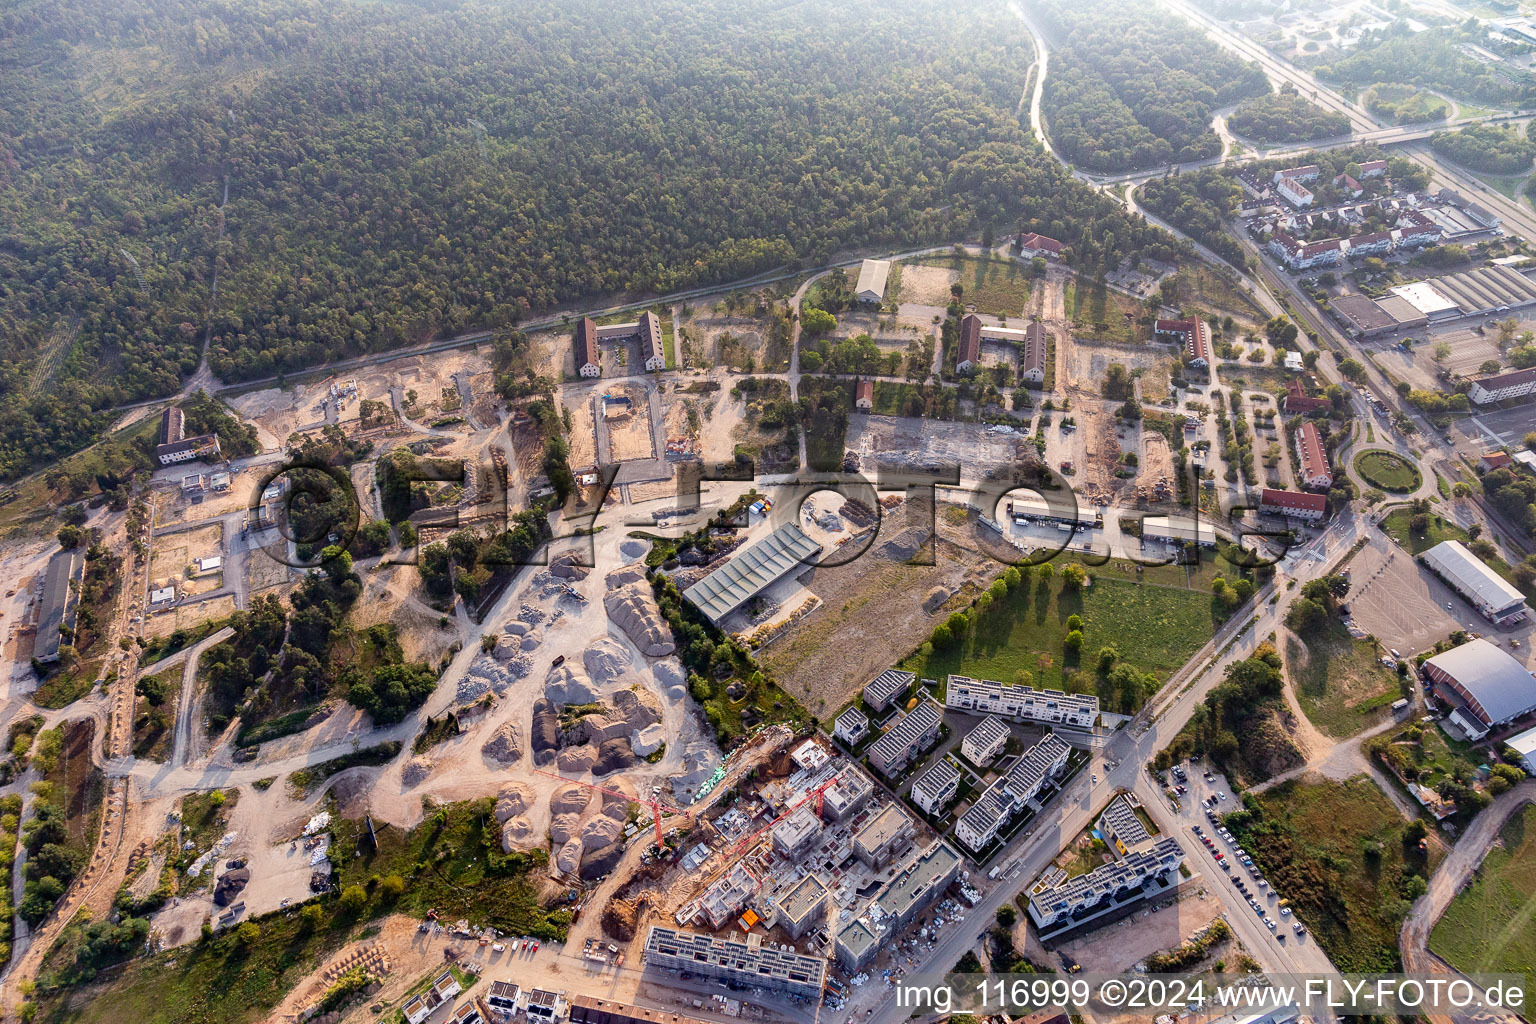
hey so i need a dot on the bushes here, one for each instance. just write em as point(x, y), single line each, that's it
point(1496, 149)
point(1285, 117)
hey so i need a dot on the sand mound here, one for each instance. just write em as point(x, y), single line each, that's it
point(416, 770)
point(905, 544)
point(600, 832)
point(569, 857)
point(624, 576)
point(671, 678)
point(569, 799)
point(504, 747)
point(596, 865)
point(565, 567)
point(612, 756)
point(544, 736)
point(639, 707)
point(632, 607)
point(517, 834)
point(645, 742)
point(576, 760)
point(514, 799)
point(606, 660)
point(568, 684)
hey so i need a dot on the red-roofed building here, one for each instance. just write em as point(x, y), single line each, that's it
point(1306, 172)
point(1195, 335)
point(1373, 169)
point(968, 358)
point(1349, 184)
point(864, 395)
point(1299, 256)
point(1496, 460)
point(1313, 470)
point(1297, 400)
point(1031, 244)
point(1295, 504)
point(587, 359)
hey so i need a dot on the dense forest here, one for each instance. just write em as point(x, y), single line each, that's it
point(1498, 149)
point(1197, 203)
point(1131, 87)
point(1283, 117)
point(1432, 59)
point(401, 171)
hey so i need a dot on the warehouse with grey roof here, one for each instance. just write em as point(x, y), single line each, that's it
point(752, 571)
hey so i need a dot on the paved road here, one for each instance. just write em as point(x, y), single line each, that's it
point(1134, 746)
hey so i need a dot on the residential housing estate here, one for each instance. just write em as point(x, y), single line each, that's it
point(1010, 794)
point(1049, 707)
point(913, 733)
point(1312, 470)
point(1195, 335)
point(1086, 900)
point(936, 787)
point(743, 961)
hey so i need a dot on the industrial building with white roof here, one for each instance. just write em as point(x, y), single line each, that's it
point(1483, 684)
point(752, 571)
point(1492, 595)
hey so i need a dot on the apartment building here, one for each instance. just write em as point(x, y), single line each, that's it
point(936, 787)
point(1008, 797)
point(878, 842)
point(1103, 893)
point(985, 742)
point(889, 686)
point(914, 733)
point(744, 962)
point(1049, 707)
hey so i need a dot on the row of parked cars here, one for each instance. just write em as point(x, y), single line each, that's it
point(1245, 864)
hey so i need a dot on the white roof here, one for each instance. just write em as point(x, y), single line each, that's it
point(872, 276)
point(211, 562)
point(162, 595)
point(1468, 574)
point(1423, 296)
point(1178, 528)
point(1524, 743)
point(1495, 680)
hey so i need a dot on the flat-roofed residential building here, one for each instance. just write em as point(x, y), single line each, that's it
point(60, 603)
point(848, 795)
point(796, 834)
point(503, 996)
point(985, 742)
point(1008, 796)
point(1078, 903)
point(919, 884)
point(913, 733)
point(891, 685)
point(1293, 504)
point(851, 726)
point(1500, 386)
point(543, 1005)
point(1484, 686)
point(803, 906)
point(467, 1013)
point(1313, 470)
point(592, 1010)
point(727, 898)
point(855, 946)
point(1492, 595)
point(873, 275)
point(419, 1008)
point(746, 962)
point(1306, 172)
point(936, 787)
point(882, 836)
point(1051, 707)
point(1122, 826)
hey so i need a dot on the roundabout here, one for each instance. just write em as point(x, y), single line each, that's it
point(1389, 471)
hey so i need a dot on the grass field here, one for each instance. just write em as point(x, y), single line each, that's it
point(1090, 303)
point(998, 287)
point(1388, 471)
point(1491, 925)
point(1155, 629)
point(1339, 682)
point(1338, 852)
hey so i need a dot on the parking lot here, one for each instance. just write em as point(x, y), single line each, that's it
point(1253, 906)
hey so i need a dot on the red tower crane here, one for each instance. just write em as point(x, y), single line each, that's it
point(816, 794)
point(656, 806)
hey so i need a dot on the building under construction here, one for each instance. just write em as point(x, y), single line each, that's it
point(744, 962)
